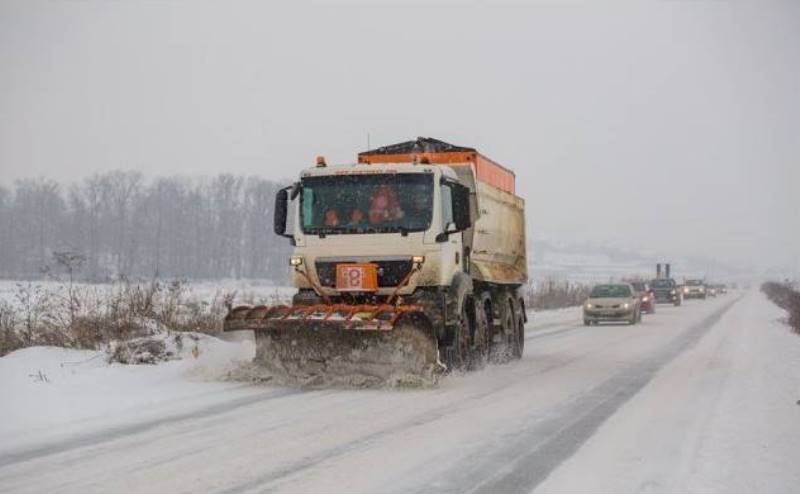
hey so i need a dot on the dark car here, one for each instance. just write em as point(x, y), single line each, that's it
point(646, 296)
point(666, 291)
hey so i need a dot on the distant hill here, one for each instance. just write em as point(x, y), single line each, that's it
point(586, 262)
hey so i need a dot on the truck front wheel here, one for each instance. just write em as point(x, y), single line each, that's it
point(457, 352)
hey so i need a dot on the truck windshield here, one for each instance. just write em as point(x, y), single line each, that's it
point(374, 203)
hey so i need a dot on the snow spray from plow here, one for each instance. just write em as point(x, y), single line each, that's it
point(360, 345)
point(414, 253)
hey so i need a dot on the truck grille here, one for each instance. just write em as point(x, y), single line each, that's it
point(390, 273)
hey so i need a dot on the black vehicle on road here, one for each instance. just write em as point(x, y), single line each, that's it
point(666, 291)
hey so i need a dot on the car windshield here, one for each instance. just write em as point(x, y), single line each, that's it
point(611, 291)
point(374, 203)
point(694, 282)
point(661, 284)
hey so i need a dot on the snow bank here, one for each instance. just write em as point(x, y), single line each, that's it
point(72, 390)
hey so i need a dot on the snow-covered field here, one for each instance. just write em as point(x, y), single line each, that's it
point(701, 398)
point(58, 393)
point(206, 291)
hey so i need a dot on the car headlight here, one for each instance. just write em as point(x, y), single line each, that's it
point(686, 290)
point(673, 292)
point(295, 261)
point(588, 305)
point(702, 289)
point(626, 306)
point(418, 259)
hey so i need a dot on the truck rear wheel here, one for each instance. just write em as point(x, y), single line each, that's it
point(518, 348)
point(480, 334)
point(510, 334)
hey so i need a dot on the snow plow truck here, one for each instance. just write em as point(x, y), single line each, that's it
point(407, 264)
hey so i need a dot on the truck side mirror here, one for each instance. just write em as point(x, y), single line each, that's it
point(281, 210)
point(461, 209)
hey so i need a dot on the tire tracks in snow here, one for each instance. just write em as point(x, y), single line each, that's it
point(529, 455)
point(118, 432)
point(114, 433)
point(265, 482)
point(564, 422)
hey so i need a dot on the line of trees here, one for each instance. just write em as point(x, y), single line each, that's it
point(121, 225)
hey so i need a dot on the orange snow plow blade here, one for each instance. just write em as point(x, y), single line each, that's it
point(341, 344)
point(356, 317)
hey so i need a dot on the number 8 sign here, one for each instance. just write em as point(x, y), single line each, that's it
point(356, 277)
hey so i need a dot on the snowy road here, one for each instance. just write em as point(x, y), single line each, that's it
point(700, 398)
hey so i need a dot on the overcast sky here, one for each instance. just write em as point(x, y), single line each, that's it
point(669, 126)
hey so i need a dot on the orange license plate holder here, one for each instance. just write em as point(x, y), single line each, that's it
point(356, 277)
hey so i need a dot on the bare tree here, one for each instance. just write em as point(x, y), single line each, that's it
point(125, 226)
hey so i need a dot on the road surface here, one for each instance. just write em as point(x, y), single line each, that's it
point(657, 407)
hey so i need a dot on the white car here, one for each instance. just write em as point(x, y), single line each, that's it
point(613, 302)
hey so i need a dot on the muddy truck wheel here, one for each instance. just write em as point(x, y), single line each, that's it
point(481, 335)
point(458, 352)
point(509, 339)
point(518, 346)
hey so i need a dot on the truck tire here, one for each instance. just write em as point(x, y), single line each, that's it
point(514, 331)
point(519, 346)
point(457, 353)
point(481, 334)
point(500, 349)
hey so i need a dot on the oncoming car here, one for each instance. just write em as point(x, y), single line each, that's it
point(612, 302)
point(665, 290)
point(695, 289)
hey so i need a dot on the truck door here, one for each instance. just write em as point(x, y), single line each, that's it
point(452, 248)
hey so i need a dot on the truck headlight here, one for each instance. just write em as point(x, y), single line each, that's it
point(296, 261)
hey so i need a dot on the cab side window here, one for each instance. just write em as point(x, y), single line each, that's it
point(447, 205)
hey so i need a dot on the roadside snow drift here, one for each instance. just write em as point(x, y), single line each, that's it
point(50, 392)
